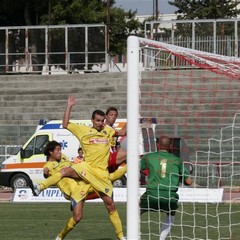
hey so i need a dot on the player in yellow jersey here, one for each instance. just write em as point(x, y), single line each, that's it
point(74, 190)
point(95, 142)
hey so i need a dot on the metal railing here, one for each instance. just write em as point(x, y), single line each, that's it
point(77, 48)
point(219, 36)
point(216, 174)
point(41, 49)
point(7, 151)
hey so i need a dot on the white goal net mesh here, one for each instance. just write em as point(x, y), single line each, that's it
point(195, 98)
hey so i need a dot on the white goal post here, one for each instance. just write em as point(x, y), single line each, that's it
point(133, 139)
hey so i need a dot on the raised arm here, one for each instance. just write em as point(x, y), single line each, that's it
point(66, 116)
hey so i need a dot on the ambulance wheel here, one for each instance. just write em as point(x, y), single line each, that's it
point(19, 180)
point(120, 182)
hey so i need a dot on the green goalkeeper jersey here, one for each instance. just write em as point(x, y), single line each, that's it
point(165, 171)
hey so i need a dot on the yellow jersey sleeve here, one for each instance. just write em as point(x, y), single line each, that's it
point(66, 185)
point(55, 166)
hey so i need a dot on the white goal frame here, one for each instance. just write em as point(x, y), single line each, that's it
point(223, 65)
point(133, 216)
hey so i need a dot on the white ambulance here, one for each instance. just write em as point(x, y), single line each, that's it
point(28, 162)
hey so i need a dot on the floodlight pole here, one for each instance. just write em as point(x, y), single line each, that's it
point(107, 33)
point(155, 10)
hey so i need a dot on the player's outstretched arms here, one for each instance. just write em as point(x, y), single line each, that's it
point(66, 116)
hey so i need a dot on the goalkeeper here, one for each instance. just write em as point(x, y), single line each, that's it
point(74, 190)
point(165, 173)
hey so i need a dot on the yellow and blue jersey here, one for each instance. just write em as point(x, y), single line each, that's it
point(95, 144)
point(66, 185)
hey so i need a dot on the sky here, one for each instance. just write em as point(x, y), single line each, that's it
point(145, 7)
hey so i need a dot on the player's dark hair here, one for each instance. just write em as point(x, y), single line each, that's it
point(98, 112)
point(50, 148)
point(80, 149)
point(111, 109)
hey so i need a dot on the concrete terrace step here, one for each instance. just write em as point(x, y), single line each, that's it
point(176, 114)
point(33, 113)
point(190, 110)
point(63, 96)
point(54, 103)
point(45, 91)
point(195, 104)
point(107, 78)
point(184, 73)
point(179, 78)
point(196, 98)
point(77, 89)
point(171, 84)
point(70, 84)
point(183, 87)
point(49, 109)
point(16, 123)
point(70, 77)
point(188, 122)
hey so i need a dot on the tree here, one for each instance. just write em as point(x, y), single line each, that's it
point(122, 23)
point(21, 12)
point(205, 9)
point(54, 12)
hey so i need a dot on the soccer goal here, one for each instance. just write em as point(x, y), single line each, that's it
point(195, 97)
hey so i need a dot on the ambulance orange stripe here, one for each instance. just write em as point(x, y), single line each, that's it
point(25, 165)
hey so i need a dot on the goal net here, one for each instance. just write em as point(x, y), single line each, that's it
point(195, 97)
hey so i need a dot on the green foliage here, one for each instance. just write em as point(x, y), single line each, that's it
point(21, 12)
point(55, 12)
point(40, 221)
point(205, 9)
point(75, 12)
point(122, 25)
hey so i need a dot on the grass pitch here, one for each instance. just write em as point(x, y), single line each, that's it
point(43, 221)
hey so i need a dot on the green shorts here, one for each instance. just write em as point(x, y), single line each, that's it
point(166, 201)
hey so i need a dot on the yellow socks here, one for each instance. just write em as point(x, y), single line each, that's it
point(69, 226)
point(116, 222)
point(118, 173)
point(50, 181)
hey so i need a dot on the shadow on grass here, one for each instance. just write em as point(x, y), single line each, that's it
point(100, 239)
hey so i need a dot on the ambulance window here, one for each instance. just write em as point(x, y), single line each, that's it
point(152, 140)
point(41, 142)
point(36, 146)
point(145, 140)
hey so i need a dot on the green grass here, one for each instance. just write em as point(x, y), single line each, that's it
point(43, 221)
point(199, 221)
